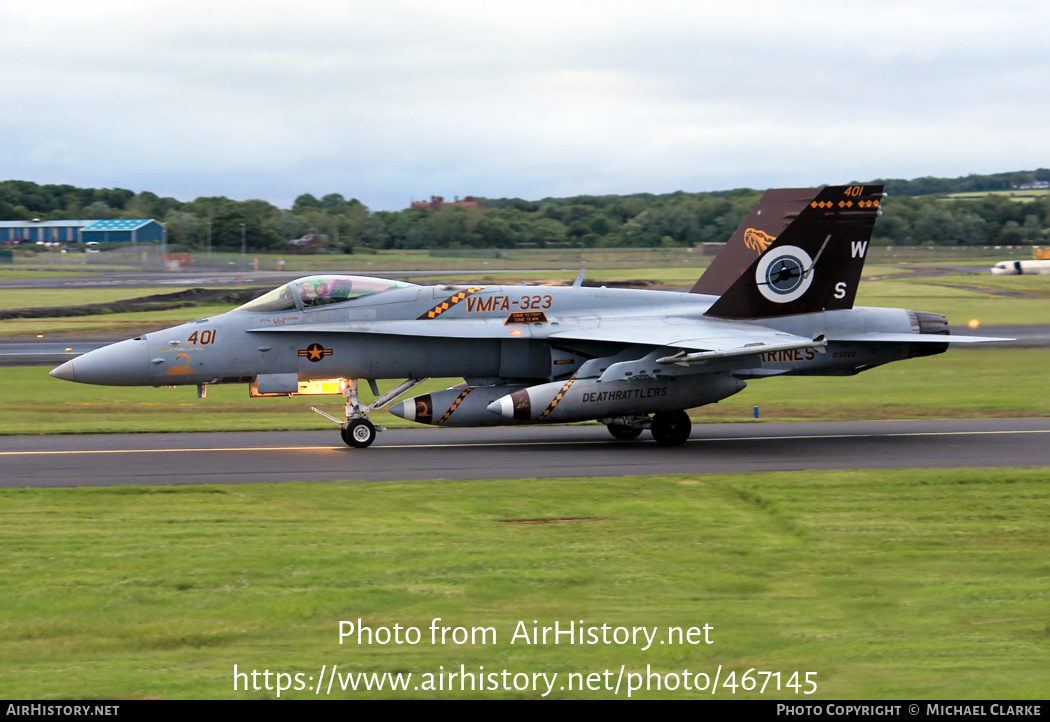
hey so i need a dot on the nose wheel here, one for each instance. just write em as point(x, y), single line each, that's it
point(358, 433)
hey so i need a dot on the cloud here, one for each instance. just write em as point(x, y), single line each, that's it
point(403, 99)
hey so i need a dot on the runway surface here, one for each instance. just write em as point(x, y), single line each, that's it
point(513, 453)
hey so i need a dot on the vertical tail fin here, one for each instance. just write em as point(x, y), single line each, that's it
point(814, 264)
point(775, 210)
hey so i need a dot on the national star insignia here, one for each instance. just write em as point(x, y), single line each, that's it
point(315, 352)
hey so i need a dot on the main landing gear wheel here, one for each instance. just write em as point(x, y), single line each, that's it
point(624, 432)
point(359, 433)
point(671, 428)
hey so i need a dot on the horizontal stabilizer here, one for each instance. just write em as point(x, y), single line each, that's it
point(695, 335)
point(914, 338)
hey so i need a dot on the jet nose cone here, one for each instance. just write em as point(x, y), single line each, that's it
point(64, 372)
point(503, 406)
point(125, 363)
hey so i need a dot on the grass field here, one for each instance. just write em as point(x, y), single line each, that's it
point(15, 273)
point(961, 298)
point(946, 295)
point(370, 263)
point(444, 260)
point(1037, 286)
point(883, 584)
point(37, 298)
point(886, 585)
point(961, 383)
point(1021, 196)
point(114, 325)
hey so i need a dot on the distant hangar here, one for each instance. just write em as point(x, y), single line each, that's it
point(124, 230)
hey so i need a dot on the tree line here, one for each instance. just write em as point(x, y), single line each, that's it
point(918, 213)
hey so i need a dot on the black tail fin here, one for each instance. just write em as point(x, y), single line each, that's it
point(814, 264)
point(775, 210)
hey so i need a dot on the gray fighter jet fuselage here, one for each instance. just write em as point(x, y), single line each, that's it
point(536, 354)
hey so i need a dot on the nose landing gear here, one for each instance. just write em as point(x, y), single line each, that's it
point(357, 430)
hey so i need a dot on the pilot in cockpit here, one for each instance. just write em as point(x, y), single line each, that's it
point(314, 292)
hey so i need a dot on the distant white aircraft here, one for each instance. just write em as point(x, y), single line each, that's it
point(1019, 268)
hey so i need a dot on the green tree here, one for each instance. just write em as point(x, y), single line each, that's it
point(185, 229)
point(1032, 228)
point(602, 224)
point(99, 210)
point(333, 200)
point(374, 233)
point(1011, 235)
point(115, 198)
point(292, 225)
point(149, 205)
point(305, 202)
point(260, 220)
point(547, 230)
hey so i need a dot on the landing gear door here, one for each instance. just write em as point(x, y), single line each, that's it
point(523, 359)
point(564, 363)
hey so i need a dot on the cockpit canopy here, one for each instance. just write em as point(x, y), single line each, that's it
point(314, 291)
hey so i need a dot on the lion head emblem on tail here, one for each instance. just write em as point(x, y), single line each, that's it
point(758, 241)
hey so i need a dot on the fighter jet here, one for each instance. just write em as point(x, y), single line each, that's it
point(777, 301)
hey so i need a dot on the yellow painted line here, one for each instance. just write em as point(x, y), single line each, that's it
point(285, 448)
point(523, 442)
point(162, 451)
point(878, 435)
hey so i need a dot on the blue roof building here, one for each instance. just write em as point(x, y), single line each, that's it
point(124, 230)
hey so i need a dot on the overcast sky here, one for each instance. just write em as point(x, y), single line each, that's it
point(392, 100)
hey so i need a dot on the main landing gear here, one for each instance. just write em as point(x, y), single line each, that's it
point(358, 431)
point(669, 428)
point(627, 429)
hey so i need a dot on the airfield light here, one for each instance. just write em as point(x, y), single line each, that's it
point(974, 323)
point(40, 335)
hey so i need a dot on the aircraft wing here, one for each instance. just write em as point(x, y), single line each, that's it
point(701, 340)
